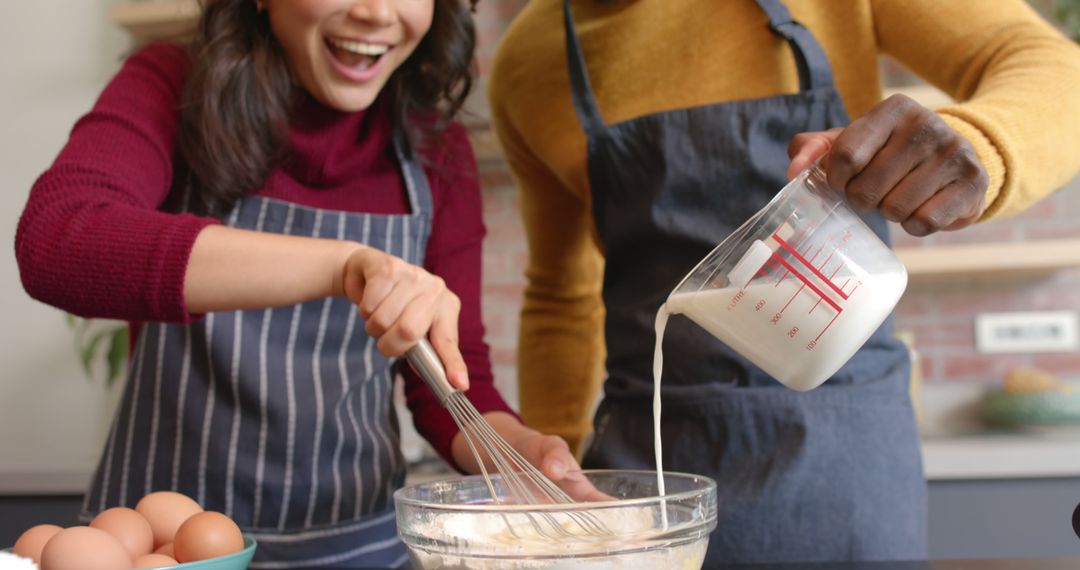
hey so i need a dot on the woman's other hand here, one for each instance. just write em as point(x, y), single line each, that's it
point(548, 453)
point(401, 303)
point(904, 160)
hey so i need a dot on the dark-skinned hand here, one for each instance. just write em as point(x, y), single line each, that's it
point(904, 160)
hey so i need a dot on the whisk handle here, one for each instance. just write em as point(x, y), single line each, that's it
point(428, 365)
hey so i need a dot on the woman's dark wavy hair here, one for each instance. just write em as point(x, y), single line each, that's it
point(236, 104)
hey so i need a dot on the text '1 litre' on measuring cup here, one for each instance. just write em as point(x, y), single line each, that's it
point(798, 288)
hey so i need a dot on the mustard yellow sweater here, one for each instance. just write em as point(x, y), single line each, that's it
point(1017, 81)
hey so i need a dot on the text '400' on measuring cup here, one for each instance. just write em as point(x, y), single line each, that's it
point(798, 288)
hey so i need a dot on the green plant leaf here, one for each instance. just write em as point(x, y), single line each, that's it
point(90, 336)
point(89, 350)
point(117, 357)
point(1068, 13)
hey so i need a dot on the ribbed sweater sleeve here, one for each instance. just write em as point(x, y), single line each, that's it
point(91, 240)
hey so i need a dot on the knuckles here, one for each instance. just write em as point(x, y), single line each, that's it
point(895, 211)
point(844, 158)
point(410, 331)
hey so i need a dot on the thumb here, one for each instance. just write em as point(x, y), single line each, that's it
point(805, 148)
point(556, 459)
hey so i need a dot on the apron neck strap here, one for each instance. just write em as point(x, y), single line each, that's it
point(416, 182)
point(811, 61)
point(815, 72)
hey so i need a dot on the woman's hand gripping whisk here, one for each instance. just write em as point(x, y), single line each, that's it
point(549, 453)
point(519, 482)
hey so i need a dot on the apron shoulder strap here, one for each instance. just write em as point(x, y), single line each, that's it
point(580, 90)
point(814, 69)
point(416, 182)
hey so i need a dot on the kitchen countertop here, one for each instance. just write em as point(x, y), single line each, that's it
point(1006, 455)
point(979, 456)
point(999, 564)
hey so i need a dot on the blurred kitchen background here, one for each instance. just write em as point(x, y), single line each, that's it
point(991, 312)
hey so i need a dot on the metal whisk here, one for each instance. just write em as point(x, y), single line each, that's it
point(525, 484)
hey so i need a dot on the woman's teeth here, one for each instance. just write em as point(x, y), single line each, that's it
point(356, 54)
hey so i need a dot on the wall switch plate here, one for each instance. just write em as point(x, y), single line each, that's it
point(1029, 331)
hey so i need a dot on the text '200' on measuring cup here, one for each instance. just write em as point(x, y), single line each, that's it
point(798, 288)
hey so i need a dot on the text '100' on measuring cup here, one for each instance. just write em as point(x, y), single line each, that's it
point(798, 288)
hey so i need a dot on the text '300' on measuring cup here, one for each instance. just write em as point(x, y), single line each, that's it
point(798, 288)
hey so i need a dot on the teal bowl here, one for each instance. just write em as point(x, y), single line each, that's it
point(1032, 410)
point(234, 561)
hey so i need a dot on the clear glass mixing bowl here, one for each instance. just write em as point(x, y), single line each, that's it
point(454, 523)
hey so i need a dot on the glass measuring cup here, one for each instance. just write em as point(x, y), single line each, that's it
point(798, 288)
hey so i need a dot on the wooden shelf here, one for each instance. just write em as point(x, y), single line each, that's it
point(990, 260)
point(157, 19)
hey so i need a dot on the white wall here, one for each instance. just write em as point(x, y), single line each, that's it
point(58, 55)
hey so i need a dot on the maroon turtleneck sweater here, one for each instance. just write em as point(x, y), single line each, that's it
point(93, 242)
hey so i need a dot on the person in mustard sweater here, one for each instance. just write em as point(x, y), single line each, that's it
point(651, 129)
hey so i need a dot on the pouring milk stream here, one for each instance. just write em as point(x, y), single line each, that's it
point(797, 289)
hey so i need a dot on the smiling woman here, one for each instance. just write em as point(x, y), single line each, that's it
point(248, 57)
point(281, 209)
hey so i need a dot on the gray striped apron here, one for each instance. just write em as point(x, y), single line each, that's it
point(280, 418)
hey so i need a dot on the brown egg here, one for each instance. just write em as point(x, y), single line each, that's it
point(166, 549)
point(207, 535)
point(31, 542)
point(153, 561)
point(166, 511)
point(84, 548)
point(129, 527)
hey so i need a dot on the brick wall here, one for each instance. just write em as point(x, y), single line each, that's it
point(505, 253)
point(940, 316)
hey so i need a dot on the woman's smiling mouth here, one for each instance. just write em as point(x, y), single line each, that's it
point(355, 55)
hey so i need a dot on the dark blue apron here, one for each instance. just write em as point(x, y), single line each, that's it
point(280, 418)
point(831, 474)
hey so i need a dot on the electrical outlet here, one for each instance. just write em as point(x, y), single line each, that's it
point(1030, 331)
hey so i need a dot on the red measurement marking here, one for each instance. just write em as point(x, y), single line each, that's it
point(803, 278)
point(784, 276)
point(765, 267)
point(784, 223)
point(813, 269)
point(793, 297)
point(826, 327)
point(735, 300)
point(828, 259)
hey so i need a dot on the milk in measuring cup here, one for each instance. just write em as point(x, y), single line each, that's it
point(797, 289)
point(789, 331)
point(745, 319)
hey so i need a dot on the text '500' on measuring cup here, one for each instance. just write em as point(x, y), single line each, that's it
point(798, 288)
